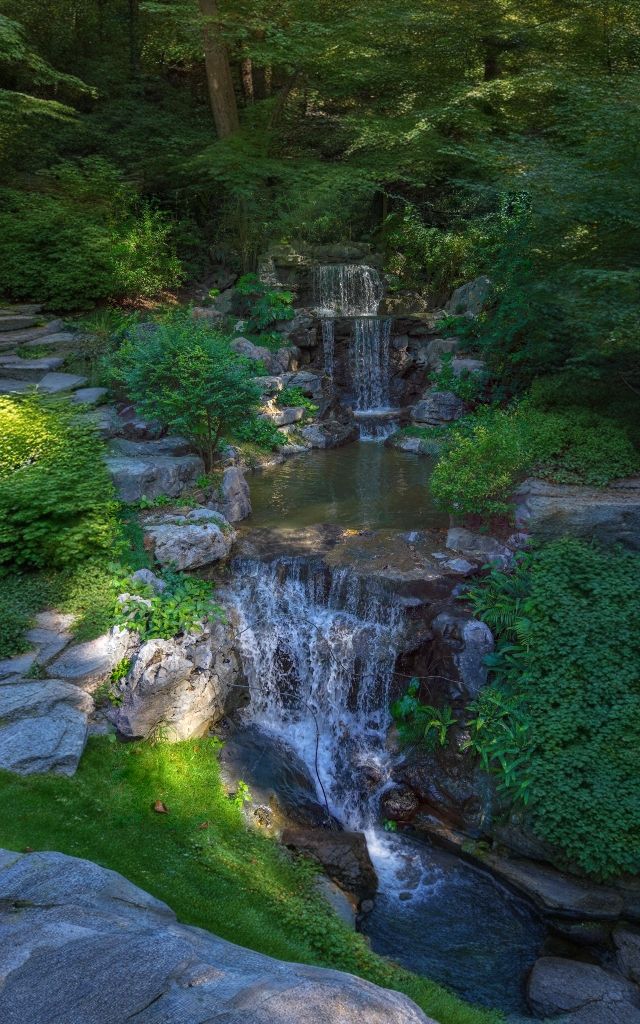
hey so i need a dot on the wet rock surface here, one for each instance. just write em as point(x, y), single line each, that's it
point(343, 855)
point(609, 514)
point(588, 993)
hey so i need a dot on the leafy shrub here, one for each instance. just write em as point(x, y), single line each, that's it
point(82, 239)
point(468, 386)
point(295, 397)
point(421, 722)
point(186, 375)
point(490, 452)
point(263, 433)
point(561, 720)
point(181, 607)
point(266, 305)
point(57, 503)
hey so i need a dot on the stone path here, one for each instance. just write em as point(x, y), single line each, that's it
point(24, 327)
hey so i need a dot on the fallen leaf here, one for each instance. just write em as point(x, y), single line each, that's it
point(160, 808)
point(27, 849)
point(203, 825)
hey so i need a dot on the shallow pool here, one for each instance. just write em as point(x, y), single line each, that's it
point(363, 485)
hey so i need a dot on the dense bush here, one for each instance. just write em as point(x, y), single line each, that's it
point(486, 455)
point(181, 607)
point(560, 723)
point(262, 433)
point(185, 374)
point(56, 499)
point(467, 385)
point(267, 305)
point(82, 238)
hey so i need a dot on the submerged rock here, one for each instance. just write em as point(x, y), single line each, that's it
point(82, 945)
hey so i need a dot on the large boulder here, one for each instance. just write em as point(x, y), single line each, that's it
point(235, 495)
point(81, 945)
point(139, 476)
point(608, 514)
point(180, 686)
point(467, 642)
point(627, 943)
point(43, 726)
point(438, 407)
point(470, 298)
point(275, 361)
point(190, 541)
point(589, 993)
point(343, 855)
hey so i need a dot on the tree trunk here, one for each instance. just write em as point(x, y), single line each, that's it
point(219, 80)
point(247, 80)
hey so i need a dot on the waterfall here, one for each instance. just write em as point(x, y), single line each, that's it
point(355, 290)
point(319, 650)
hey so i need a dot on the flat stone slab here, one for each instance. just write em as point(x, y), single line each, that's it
point(20, 308)
point(562, 894)
point(15, 387)
point(557, 986)
point(17, 321)
point(81, 945)
point(89, 664)
point(54, 383)
point(89, 396)
point(43, 726)
point(608, 514)
point(20, 337)
point(58, 338)
point(172, 446)
point(29, 369)
point(137, 478)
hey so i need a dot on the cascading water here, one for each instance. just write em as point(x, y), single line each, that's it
point(319, 648)
point(319, 653)
point(355, 290)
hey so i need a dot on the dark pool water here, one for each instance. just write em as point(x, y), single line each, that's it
point(361, 486)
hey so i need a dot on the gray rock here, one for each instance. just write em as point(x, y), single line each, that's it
point(135, 478)
point(43, 726)
point(330, 433)
point(17, 321)
point(399, 803)
point(627, 943)
point(29, 369)
point(150, 579)
point(469, 641)
point(182, 686)
point(79, 927)
point(235, 495)
point(56, 383)
point(438, 407)
point(89, 396)
point(105, 419)
point(558, 893)
point(559, 986)
point(610, 514)
point(344, 856)
point(23, 336)
point(478, 546)
point(460, 565)
point(137, 428)
point(283, 417)
point(190, 542)
point(62, 338)
point(15, 387)
point(48, 637)
point(172, 446)
point(470, 298)
point(89, 664)
point(461, 367)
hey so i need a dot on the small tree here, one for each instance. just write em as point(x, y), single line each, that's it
point(185, 375)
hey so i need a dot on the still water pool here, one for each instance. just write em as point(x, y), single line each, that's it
point(361, 486)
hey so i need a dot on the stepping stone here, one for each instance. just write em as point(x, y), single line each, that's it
point(29, 369)
point(15, 387)
point(105, 419)
point(19, 337)
point(43, 726)
point(88, 665)
point(60, 338)
point(14, 309)
point(89, 396)
point(54, 383)
point(17, 322)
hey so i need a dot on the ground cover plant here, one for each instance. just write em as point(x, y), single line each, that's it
point(200, 857)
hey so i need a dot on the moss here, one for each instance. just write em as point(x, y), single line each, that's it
point(200, 858)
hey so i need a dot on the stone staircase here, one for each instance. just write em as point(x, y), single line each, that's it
point(24, 327)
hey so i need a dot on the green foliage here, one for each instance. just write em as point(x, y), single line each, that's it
point(200, 858)
point(99, 336)
point(295, 397)
point(266, 305)
point(560, 724)
point(262, 433)
point(489, 453)
point(186, 375)
point(467, 385)
point(242, 795)
point(56, 499)
point(416, 721)
point(182, 607)
point(81, 238)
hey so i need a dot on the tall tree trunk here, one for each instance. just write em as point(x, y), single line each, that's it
point(219, 80)
point(134, 38)
point(246, 69)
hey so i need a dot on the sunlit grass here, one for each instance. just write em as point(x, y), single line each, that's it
point(200, 858)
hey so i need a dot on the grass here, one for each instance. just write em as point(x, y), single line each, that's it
point(200, 858)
